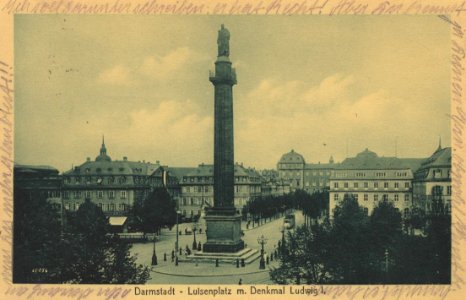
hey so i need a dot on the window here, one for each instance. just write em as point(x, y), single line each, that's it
point(335, 185)
point(406, 212)
point(355, 196)
point(406, 197)
point(335, 197)
point(385, 197)
point(385, 185)
point(77, 194)
point(397, 185)
point(111, 194)
point(100, 194)
point(396, 197)
point(206, 189)
point(376, 185)
point(376, 197)
point(366, 185)
point(407, 185)
point(78, 179)
point(112, 207)
point(123, 194)
point(100, 205)
point(199, 189)
point(346, 185)
point(366, 197)
point(449, 190)
point(88, 194)
point(66, 195)
point(355, 184)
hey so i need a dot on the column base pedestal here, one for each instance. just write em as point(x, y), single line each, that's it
point(223, 232)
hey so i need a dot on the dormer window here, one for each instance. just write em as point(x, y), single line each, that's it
point(437, 173)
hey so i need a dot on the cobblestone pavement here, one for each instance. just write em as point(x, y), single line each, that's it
point(206, 273)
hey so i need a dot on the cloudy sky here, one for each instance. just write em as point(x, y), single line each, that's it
point(319, 85)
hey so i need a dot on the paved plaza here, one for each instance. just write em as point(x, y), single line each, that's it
point(207, 273)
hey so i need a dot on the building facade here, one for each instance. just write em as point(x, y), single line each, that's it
point(42, 179)
point(432, 182)
point(114, 185)
point(292, 168)
point(197, 188)
point(371, 179)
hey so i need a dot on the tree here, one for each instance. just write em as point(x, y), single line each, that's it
point(305, 255)
point(156, 211)
point(385, 227)
point(94, 255)
point(349, 260)
point(36, 235)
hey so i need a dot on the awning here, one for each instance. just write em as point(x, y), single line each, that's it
point(117, 221)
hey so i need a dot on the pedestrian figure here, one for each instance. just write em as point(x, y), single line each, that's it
point(200, 230)
point(267, 259)
point(240, 281)
point(181, 251)
point(176, 261)
point(173, 258)
point(173, 254)
point(216, 262)
point(271, 256)
point(237, 262)
point(199, 247)
point(165, 257)
point(242, 263)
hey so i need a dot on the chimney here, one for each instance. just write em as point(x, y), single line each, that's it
point(125, 158)
point(88, 159)
point(157, 161)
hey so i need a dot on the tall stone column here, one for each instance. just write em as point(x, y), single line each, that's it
point(223, 222)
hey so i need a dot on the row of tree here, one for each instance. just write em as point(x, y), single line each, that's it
point(82, 252)
point(359, 249)
point(313, 205)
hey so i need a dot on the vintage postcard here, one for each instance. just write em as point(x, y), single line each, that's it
point(220, 149)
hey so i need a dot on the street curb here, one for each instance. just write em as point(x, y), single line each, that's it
point(219, 275)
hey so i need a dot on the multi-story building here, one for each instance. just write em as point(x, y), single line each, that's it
point(44, 180)
point(113, 185)
point(197, 188)
point(371, 179)
point(301, 175)
point(272, 184)
point(432, 182)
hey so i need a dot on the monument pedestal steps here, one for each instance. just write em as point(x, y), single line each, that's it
point(249, 255)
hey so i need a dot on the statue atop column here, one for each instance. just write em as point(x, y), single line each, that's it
point(223, 42)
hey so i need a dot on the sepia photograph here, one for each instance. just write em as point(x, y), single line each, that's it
point(236, 150)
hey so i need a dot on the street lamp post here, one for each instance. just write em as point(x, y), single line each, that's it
point(177, 232)
point(262, 241)
point(194, 241)
point(282, 250)
point(386, 265)
point(154, 256)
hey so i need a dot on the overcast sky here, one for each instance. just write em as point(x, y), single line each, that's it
point(312, 84)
